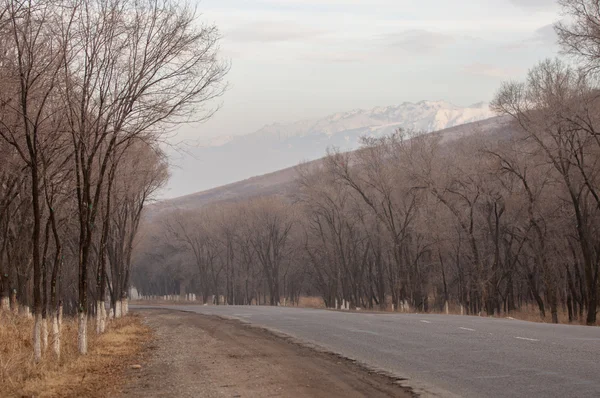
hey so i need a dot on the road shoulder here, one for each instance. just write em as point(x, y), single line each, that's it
point(196, 355)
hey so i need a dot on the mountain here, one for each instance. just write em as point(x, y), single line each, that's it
point(232, 158)
point(423, 116)
point(281, 182)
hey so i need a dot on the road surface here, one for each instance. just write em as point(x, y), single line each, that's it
point(445, 355)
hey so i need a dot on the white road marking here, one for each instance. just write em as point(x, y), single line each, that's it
point(493, 377)
point(424, 321)
point(363, 331)
point(525, 338)
point(241, 315)
point(469, 329)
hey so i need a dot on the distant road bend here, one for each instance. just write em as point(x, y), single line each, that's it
point(445, 355)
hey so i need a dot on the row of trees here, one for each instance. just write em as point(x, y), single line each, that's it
point(488, 223)
point(89, 90)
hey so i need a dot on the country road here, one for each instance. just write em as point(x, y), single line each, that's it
point(445, 355)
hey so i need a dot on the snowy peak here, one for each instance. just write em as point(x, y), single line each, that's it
point(423, 116)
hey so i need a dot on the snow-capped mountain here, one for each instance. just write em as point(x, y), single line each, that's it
point(221, 160)
point(424, 116)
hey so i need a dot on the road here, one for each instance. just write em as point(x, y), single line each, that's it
point(445, 355)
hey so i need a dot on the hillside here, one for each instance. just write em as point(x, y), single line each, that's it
point(224, 159)
point(281, 181)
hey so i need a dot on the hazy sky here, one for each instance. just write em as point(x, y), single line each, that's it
point(299, 59)
point(296, 59)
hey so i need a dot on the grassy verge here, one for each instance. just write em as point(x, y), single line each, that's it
point(98, 374)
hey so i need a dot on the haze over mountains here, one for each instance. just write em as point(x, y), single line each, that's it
point(281, 182)
point(227, 159)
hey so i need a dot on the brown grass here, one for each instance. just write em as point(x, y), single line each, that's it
point(528, 313)
point(98, 374)
point(311, 302)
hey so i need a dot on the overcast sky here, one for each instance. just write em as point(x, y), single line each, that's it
point(297, 59)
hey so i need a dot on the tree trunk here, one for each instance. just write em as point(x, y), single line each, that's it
point(37, 337)
point(118, 309)
point(554, 305)
point(82, 333)
point(124, 306)
point(99, 305)
point(55, 334)
point(44, 333)
point(102, 317)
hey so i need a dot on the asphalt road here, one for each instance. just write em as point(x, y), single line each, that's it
point(445, 355)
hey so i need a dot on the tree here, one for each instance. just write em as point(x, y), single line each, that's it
point(556, 109)
point(580, 36)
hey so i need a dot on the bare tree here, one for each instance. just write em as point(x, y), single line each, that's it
point(555, 108)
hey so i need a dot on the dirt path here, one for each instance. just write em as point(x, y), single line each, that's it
point(200, 356)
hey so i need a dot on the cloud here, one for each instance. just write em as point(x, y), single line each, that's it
point(338, 57)
point(494, 71)
point(535, 4)
point(419, 41)
point(545, 35)
point(272, 32)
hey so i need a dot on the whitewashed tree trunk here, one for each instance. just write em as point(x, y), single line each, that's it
point(55, 335)
point(37, 338)
point(118, 308)
point(60, 316)
point(102, 317)
point(446, 308)
point(14, 303)
point(82, 334)
point(5, 304)
point(99, 305)
point(44, 334)
point(124, 306)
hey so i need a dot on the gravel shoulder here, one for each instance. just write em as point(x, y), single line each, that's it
point(205, 356)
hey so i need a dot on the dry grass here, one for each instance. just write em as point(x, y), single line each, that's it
point(527, 313)
point(532, 314)
point(98, 374)
point(311, 302)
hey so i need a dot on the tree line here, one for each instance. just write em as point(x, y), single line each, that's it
point(487, 223)
point(89, 92)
